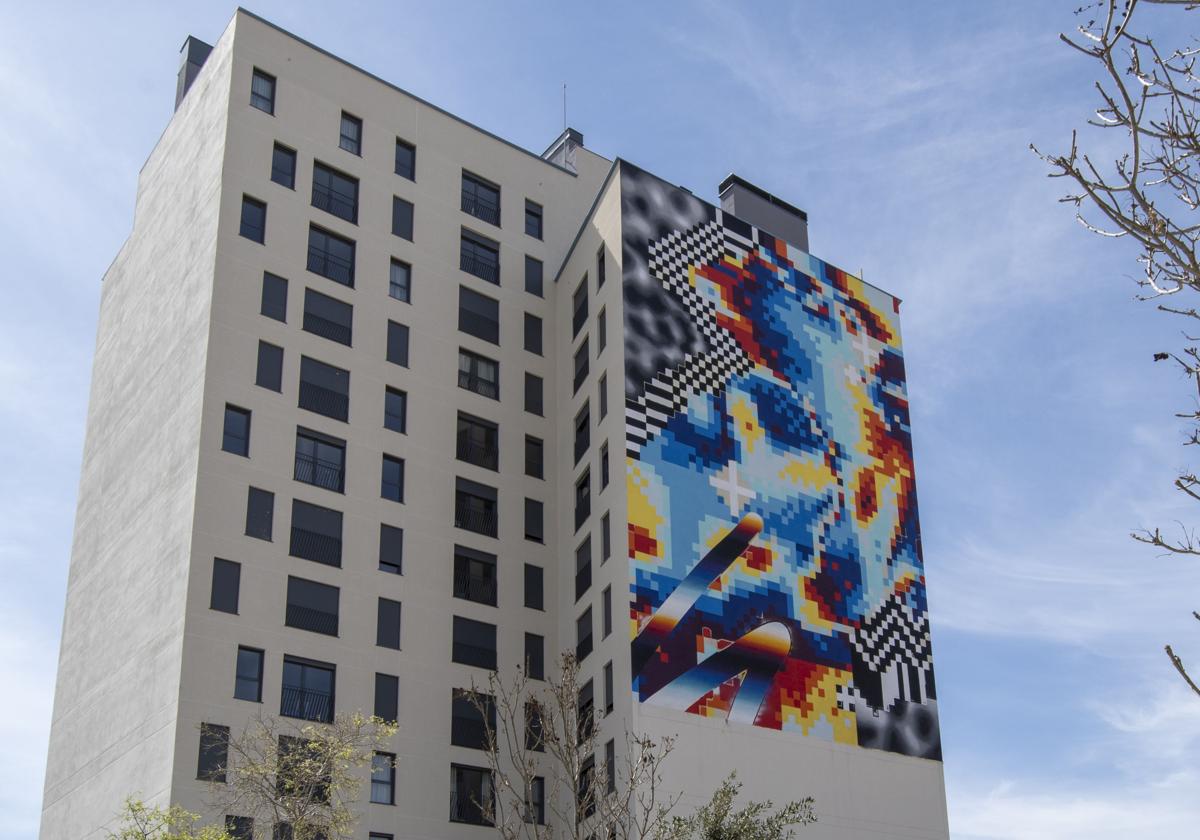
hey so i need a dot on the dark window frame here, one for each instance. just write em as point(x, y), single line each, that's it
point(262, 101)
point(323, 708)
point(469, 378)
point(268, 372)
point(406, 168)
point(391, 420)
point(314, 619)
point(225, 586)
point(476, 201)
point(392, 491)
point(391, 537)
point(473, 653)
point(350, 143)
point(406, 286)
point(534, 218)
point(387, 635)
point(274, 297)
point(404, 214)
point(239, 440)
point(397, 343)
point(535, 585)
point(387, 782)
point(322, 261)
point(238, 680)
point(335, 192)
point(479, 256)
point(285, 176)
point(253, 229)
point(328, 317)
point(535, 271)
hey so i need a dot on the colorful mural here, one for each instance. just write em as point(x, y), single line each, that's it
point(772, 523)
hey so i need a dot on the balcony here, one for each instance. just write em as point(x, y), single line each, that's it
point(481, 386)
point(313, 620)
point(326, 328)
point(306, 704)
point(479, 454)
point(474, 587)
point(483, 268)
point(583, 580)
point(320, 472)
point(470, 516)
point(337, 269)
point(486, 209)
point(324, 401)
point(335, 202)
point(320, 548)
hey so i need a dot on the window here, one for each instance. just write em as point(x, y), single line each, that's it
point(262, 91)
point(533, 394)
point(583, 635)
point(383, 778)
point(254, 220)
point(392, 485)
point(335, 192)
point(478, 442)
point(481, 198)
point(235, 437)
point(214, 752)
point(351, 134)
point(603, 465)
point(395, 410)
point(533, 333)
point(400, 281)
point(533, 520)
point(269, 373)
point(535, 656)
point(583, 498)
point(533, 219)
point(600, 267)
point(274, 297)
point(387, 624)
point(226, 584)
point(606, 612)
point(583, 431)
point(479, 374)
point(585, 712)
point(397, 344)
point(324, 389)
point(239, 828)
point(402, 218)
point(603, 392)
point(579, 305)
point(377, 835)
point(581, 365)
point(474, 575)
point(475, 507)
point(535, 805)
point(478, 315)
point(601, 330)
point(534, 726)
point(583, 567)
point(387, 697)
point(406, 160)
point(247, 682)
point(328, 317)
point(479, 256)
point(391, 549)
point(307, 691)
point(610, 766)
point(533, 586)
point(605, 539)
point(468, 723)
point(283, 166)
point(260, 513)
point(330, 255)
point(312, 606)
point(535, 464)
point(608, 687)
point(533, 275)
point(470, 794)
point(316, 533)
point(474, 643)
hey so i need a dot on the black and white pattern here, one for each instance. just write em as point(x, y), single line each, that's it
point(893, 657)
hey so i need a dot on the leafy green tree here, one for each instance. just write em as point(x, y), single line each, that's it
point(140, 821)
point(717, 819)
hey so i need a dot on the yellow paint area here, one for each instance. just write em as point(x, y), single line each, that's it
point(642, 513)
point(813, 472)
point(746, 422)
point(821, 702)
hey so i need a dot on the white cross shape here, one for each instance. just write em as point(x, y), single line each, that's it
point(728, 487)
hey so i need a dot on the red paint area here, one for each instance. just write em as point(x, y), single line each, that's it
point(640, 541)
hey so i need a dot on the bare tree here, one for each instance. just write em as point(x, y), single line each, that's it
point(540, 739)
point(304, 776)
point(1151, 192)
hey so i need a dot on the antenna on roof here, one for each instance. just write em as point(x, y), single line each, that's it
point(564, 106)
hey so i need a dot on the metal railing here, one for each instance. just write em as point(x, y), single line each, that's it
point(479, 385)
point(318, 325)
point(306, 704)
point(474, 452)
point(320, 548)
point(488, 270)
point(308, 618)
point(473, 587)
point(337, 203)
point(317, 471)
point(324, 401)
point(481, 208)
point(337, 269)
point(471, 517)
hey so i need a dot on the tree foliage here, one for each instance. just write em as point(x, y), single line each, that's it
point(719, 820)
point(140, 821)
point(1150, 192)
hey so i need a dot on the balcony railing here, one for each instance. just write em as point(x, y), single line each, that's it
point(479, 385)
point(337, 269)
point(319, 472)
point(474, 587)
point(320, 548)
point(479, 454)
point(481, 208)
point(484, 269)
point(324, 401)
point(326, 328)
point(306, 704)
point(471, 518)
point(314, 620)
point(583, 580)
point(338, 203)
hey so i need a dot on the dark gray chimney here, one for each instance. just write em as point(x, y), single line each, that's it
point(758, 207)
point(192, 57)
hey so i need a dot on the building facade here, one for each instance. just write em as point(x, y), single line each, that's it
point(382, 402)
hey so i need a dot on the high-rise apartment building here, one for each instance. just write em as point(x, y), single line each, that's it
point(382, 401)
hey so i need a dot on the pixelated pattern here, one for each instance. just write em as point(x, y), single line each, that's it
point(777, 578)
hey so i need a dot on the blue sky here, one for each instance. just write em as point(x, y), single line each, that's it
point(1043, 431)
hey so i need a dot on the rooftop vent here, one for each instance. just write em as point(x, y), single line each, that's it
point(562, 150)
point(192, 57)
point(758, 207)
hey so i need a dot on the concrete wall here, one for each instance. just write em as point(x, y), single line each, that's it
point(116, 701)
